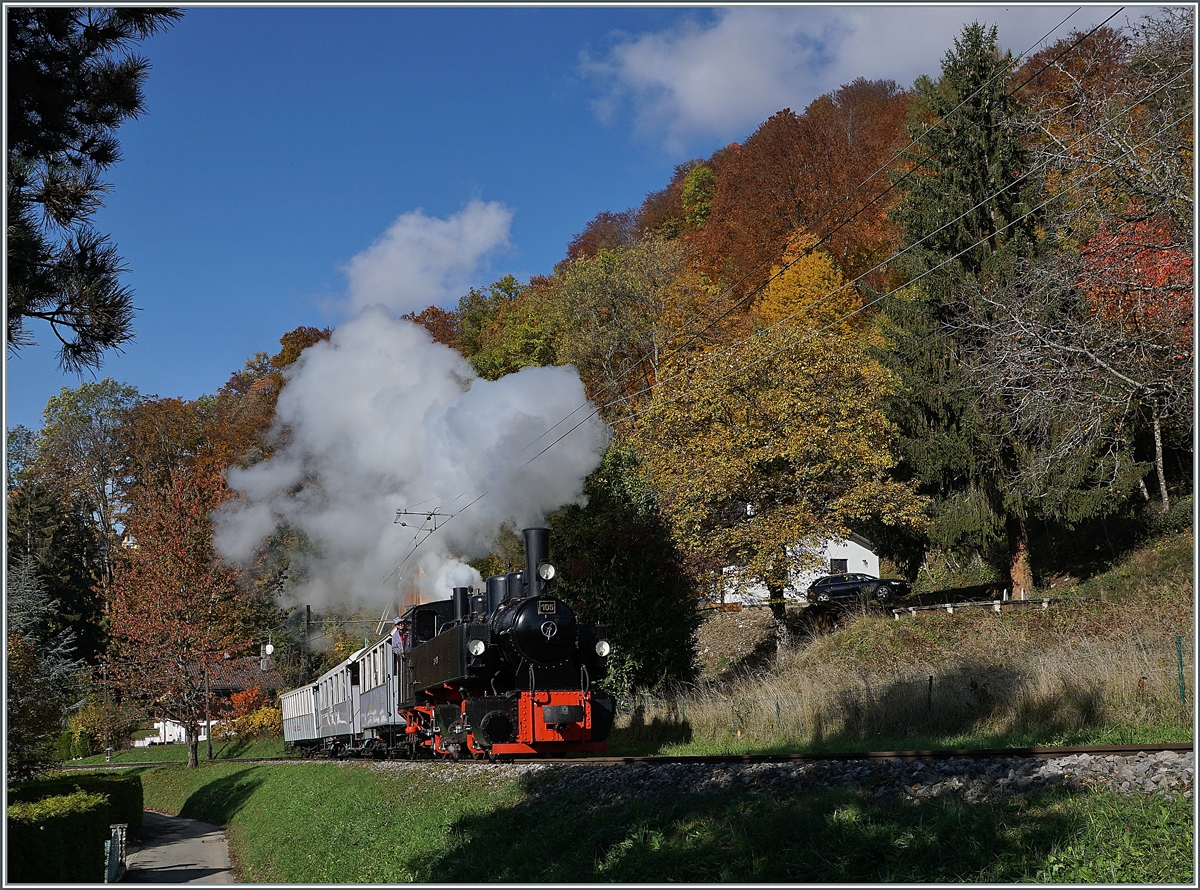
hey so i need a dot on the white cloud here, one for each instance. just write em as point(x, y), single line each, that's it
point(421, 260)
point(722, 77)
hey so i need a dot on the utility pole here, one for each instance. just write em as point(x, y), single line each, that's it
point(207, 717)
point(107, 732)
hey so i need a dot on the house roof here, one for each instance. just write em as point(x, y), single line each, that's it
point(240, 674)
point(862, 542)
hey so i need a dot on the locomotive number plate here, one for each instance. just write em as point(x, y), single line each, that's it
point(547, 607)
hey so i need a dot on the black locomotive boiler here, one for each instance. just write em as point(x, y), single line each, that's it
point(505, 671)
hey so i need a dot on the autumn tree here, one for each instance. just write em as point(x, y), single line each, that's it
point(818, 173)
point(442, 324)
point(79, 455)
point(1098, 349)
point(175, 610)
point(1113, 124)
point(71, 83)
point(806, 289)
point(766, 448)
point(625, 312)
point(605, 231)
point(294, 342)
point(1139, 282)
point(1115, 131)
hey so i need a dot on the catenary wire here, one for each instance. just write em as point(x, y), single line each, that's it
point(592, 414)
point(897, 155)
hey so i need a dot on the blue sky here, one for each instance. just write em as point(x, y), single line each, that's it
point(297, 164)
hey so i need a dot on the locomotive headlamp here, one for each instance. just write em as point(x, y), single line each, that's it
point(602, 648)
point(476, 647)
point(545, 571)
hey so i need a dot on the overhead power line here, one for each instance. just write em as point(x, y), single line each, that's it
point(895, 157)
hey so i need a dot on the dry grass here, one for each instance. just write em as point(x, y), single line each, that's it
point(1087, 665)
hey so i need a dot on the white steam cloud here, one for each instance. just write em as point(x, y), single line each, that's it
point(382, 418)
point(421, 260)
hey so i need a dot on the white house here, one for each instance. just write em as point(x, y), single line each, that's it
point(837, 555)
point(170, 733)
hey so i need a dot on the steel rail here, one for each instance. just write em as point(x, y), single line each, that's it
point(933, 754)
point(661, 760)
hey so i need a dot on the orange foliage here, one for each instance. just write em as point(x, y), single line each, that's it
point(247, 702)
point(801, 172)
point(1136, 274)
point(606, 231)
point(441, 324)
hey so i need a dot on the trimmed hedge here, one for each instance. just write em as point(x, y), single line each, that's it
point(123, 792)
point(58, 839)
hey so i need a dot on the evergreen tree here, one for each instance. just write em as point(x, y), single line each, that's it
point(964, 215)
point(66, 552)
point(621, 568)
point(68, 91)
point(40, 668)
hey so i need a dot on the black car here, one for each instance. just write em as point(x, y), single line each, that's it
point(855, 585)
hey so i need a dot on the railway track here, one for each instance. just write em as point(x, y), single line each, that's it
point(651, 760)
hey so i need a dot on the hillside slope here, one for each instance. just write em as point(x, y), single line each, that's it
point(1107, 660)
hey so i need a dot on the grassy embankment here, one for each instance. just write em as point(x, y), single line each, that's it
point(1068, 675)
point(344, 823)
point(1100, 666)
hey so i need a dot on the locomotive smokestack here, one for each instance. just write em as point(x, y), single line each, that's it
point(537, 552)
point(497, 592)
point(462, 601)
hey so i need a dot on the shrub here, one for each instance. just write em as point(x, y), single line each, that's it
point(122, 793)
point(95, 721)
point(248, 702)
point(261, 724)
point(943, 570)
point(58, 839)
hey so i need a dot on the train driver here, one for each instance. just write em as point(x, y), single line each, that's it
point(401, 639)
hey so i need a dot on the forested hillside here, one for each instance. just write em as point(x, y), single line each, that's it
point(954, 317)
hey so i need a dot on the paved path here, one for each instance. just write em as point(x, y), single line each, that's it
point(175, 850)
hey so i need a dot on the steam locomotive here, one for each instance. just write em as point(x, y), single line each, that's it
point(491, 674)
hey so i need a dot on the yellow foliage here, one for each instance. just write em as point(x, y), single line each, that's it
point(777, 442)
point(806, 289)
point(263, 723)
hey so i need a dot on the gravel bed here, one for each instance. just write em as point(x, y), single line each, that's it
point(974, 780)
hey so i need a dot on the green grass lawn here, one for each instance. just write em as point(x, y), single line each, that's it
point(241, 748)
point(344, 823)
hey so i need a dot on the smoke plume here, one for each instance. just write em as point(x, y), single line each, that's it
point(383, 418)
